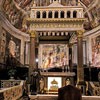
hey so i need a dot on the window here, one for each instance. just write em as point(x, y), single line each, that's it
point(68, 14)
point(50, 14)
point(74, 14)
point(62, 14)
point(38, 14)
point(56, 14)
point(44, 14)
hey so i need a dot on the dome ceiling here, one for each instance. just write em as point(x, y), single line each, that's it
point(17, 10)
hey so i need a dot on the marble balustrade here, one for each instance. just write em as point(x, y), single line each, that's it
point(12, 93)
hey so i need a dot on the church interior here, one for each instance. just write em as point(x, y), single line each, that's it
point(48, 44)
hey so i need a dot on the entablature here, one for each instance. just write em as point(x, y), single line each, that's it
point(69, 24)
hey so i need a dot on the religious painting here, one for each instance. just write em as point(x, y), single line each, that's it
point(7, 4)
point(54, 83)
point(96, 51)
point(95, 13)
point(13, 46)
point(53, 55)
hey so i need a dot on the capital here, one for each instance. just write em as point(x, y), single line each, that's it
point(80, 33)
point(70, 44)
point(32, 34)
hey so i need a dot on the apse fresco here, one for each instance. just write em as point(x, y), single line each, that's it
point(95, 12)
point(96, 51)
point(12, 13)
point(22, 3)
point(53, 55)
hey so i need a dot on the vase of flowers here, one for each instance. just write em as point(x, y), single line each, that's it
point(11, 73)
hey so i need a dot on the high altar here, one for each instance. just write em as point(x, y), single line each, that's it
point(50, 29)
point(55, 80)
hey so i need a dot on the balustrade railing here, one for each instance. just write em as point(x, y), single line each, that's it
point(94, 88)
point(11, 93)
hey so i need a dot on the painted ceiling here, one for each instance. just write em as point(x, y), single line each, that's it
point(17, 10)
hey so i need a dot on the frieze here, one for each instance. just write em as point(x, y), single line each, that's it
point(56, 25)
point(76, 23)
point(36, 20)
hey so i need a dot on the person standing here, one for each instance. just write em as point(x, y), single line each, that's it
point(69, 92)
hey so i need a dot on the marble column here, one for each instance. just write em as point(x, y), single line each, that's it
point(78, 3)
point(53, 13)
point(40, 3)
point(50, 1)
point(59, 14)
point(32, 64)
point(41, 14)
point(59, 1)
point(71, 14)
point(80, 70)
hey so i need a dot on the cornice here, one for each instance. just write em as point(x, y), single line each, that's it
point(11, 29)
point(56, 20)
point(48, 7)
point(93, 31)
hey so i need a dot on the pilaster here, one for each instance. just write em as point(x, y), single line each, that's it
point(22, 51)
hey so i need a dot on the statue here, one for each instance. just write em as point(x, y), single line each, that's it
point(41, 85)
point(68, 81)
point(35, 77)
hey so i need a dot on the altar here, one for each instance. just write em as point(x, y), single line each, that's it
point(54, 80)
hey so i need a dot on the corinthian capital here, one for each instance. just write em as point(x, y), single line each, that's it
point(32, 34)
point(80, 33)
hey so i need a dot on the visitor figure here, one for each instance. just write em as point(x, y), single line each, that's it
point(33, 86)
point(35, 77)
point(69, 92)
